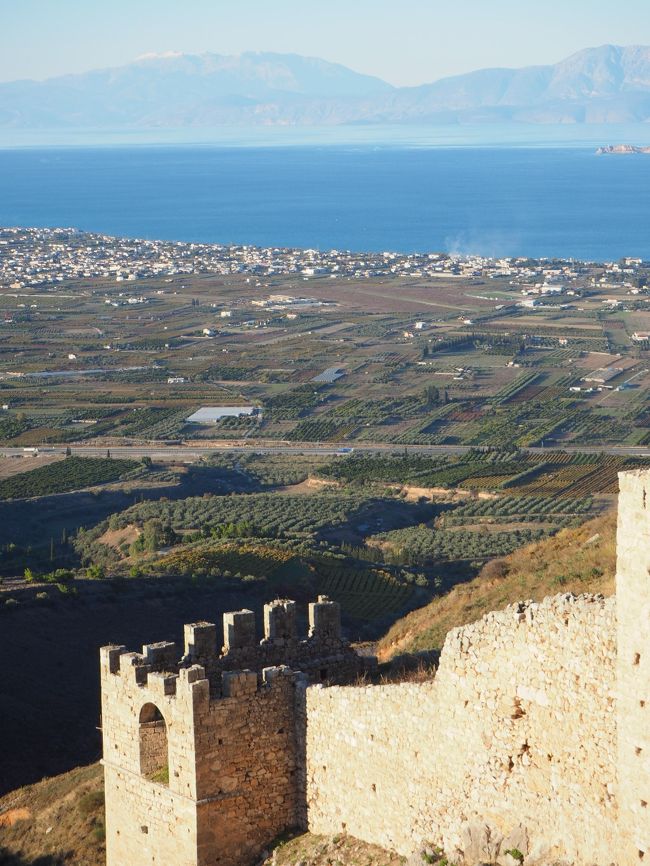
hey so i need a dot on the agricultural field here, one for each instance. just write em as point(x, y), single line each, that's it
point(73, 473)
point(463, 416)
point(458, 421)
point(517, 472)
point(453, 361)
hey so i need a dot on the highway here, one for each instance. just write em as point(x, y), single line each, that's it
point(191, 451)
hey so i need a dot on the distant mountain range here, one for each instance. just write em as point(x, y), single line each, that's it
point(609, 84)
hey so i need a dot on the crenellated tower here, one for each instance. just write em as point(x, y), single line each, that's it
point(204, 755)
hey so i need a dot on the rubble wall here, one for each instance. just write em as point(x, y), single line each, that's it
point(147, 821)
point(633, 594)
point(248, 767)
point(511, 746)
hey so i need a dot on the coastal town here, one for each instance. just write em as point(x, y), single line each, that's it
point(42, 257)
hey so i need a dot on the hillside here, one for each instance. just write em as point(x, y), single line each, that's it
point(177, 89)
point(55, 822)
point(60, 820)
point(608, 84)
point(575, 560)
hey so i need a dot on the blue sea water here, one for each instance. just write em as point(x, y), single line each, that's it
point(453, 192)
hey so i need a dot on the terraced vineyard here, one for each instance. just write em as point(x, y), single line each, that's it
point(554, 473)
point(518, 508)
point(579, 480)
point(364, 593)
point(269, 514)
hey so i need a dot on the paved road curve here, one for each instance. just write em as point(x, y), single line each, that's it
point(193, 451)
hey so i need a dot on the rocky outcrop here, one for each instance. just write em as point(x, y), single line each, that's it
point(621, 148)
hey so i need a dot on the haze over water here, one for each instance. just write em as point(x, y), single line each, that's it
point(538, 191)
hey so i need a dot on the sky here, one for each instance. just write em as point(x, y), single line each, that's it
point(402, 41)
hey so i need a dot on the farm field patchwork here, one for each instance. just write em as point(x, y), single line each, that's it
point(464, 358)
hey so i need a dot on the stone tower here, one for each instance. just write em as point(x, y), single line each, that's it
point(633, 667)
point(204, 758)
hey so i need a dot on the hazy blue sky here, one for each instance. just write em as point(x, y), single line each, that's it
point(403, 41)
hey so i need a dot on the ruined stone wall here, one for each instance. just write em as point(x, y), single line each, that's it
point(248, 768)
point(513, 745)
point(204, 764)
point(322, 654)
point(633, 673)
point(233, 763)
point(148, 822)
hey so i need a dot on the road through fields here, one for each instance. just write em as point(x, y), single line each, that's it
point(191, 451)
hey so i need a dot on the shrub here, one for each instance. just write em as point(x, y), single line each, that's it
point(161, 776)
point(495, 569)
point(99, 833)
point(91, 802)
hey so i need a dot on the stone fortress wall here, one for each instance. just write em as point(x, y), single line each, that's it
point(517, 733)
point(534, 736)
point(204, 757)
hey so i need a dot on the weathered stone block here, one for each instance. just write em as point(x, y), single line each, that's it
point(238, 630)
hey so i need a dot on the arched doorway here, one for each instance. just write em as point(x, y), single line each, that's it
point(154, 749)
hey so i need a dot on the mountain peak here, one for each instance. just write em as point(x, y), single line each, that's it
point(161, 55)
point(607, 83)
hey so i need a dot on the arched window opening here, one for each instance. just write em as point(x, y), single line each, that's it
point(154, 751)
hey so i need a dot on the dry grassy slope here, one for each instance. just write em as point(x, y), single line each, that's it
point(54, 822)
point(574, 560)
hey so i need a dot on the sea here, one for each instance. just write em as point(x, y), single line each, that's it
point(538, 191)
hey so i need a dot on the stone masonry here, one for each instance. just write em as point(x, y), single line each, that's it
point(533, 738)
point(204, 757)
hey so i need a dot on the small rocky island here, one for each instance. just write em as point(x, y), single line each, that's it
point(622, 148)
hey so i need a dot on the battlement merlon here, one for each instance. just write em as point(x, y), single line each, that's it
point(322, 652)
point(134, 676)
point(280, 620)
point(325, 619)
point(200, 640)
point(239, 630)
point(134, 673)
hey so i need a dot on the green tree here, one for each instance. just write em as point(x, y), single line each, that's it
point(431, 395)
point(156, 534)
